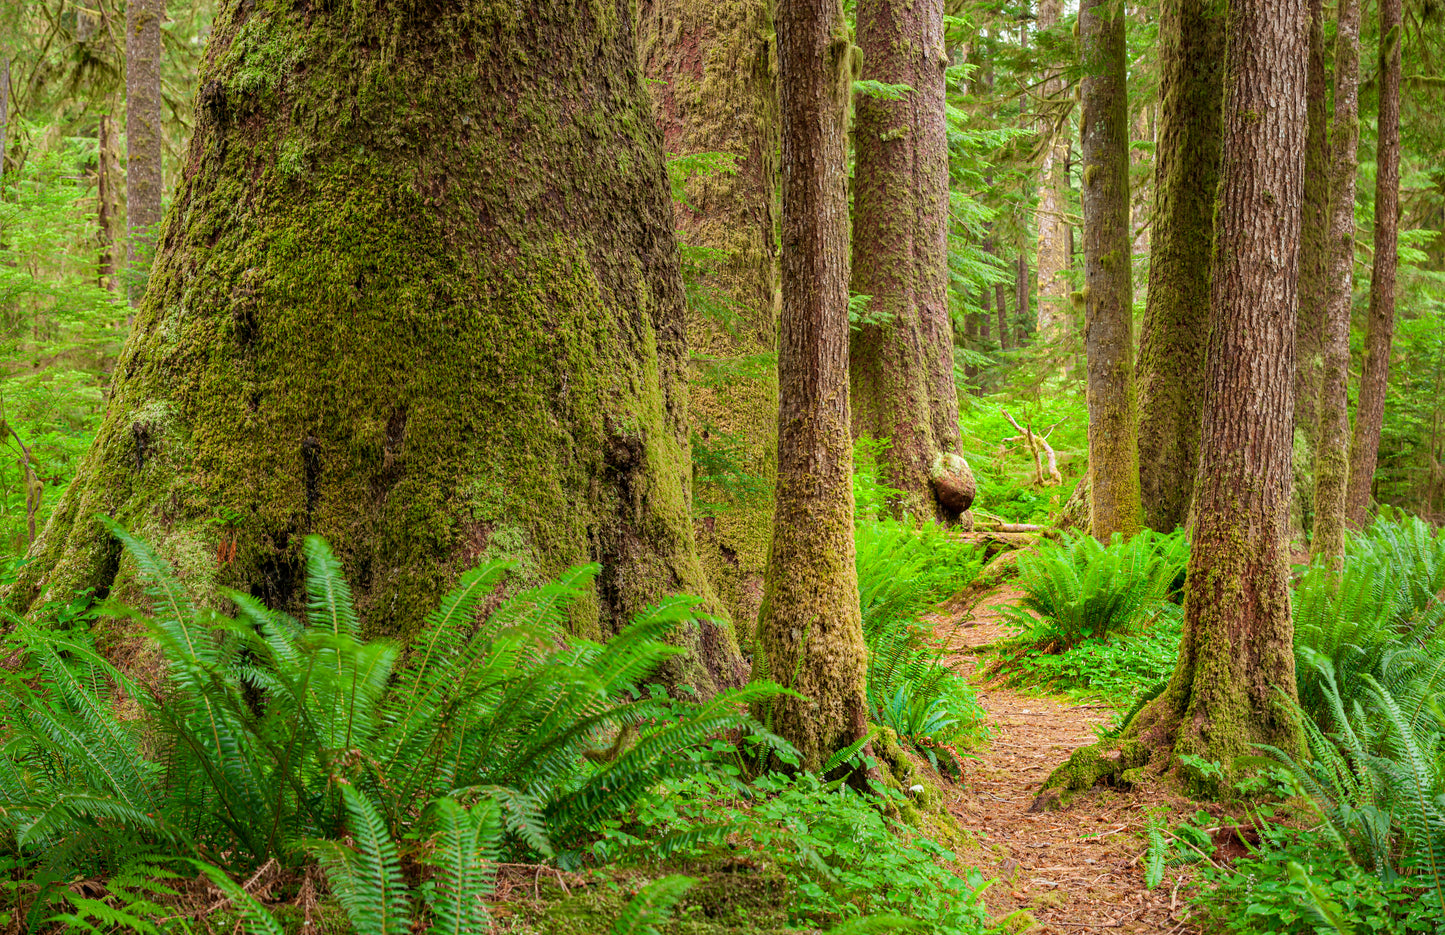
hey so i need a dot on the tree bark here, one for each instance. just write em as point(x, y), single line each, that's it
point(985, 317)
point(107, 205)
point(1234, 680)
point(431, 322)
point(902, 368)
point(1380, 327)
point(1108, 289)
point(810, 635)
point(1054, 251)
point(4, 113)
point(1313, 283)
point(716, 92)
point(1176, 316)
point(1021, 288)
point(1001, 309)
point(143, 131)
point(1332, 461)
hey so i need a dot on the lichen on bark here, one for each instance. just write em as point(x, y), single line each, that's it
point(418, 292)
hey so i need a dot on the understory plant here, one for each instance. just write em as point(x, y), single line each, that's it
point(267, 738)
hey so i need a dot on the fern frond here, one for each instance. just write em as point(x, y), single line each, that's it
point(652, 906)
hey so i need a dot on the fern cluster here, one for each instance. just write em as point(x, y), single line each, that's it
point(267, 737)
point(1081, 589)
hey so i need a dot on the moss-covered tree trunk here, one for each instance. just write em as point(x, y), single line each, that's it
point(1170, 374)
point(107, 204)
point(900, 255)
point(716, 92)
point(1313, 283)
point(418, 292)
point(1055, 251)
point(1022, 284)
point(1108, 288)
point(1332, 460)
point(1234, 679)
point(1380, 325)
point(143, 131)
point(810, 635)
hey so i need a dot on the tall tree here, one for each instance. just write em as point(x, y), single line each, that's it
point(1021, 286)
point(1234, 681)
point(1332, 461)
point(143, 139)
point(1005, 339)
point(1055, 250)
point(1108, 289)
point(1313, 281)
point(108, 204)
point(902, 363)
point(1380, 326)
point(810, 635)
point(428, 321)
point(714, 75)
point(1175, 328)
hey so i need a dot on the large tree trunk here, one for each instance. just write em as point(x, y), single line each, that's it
point(1108, 289)
point(810, 636)
point(1176, 316)
point(1313, 283)
point(718, 94)
point(1055, 252)
point(1234, 682)
point(143, 131)
point(401, 304)
point(1380, 328)
point(1332, 460)
point(900, 253)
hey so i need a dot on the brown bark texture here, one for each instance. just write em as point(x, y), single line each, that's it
point(1000, 290)
point(902, 367)
point(1175, 328)
point(143, 137)
point(810, 634)
point(401, 304)
point(1108, 274)
point(1234, 681)
point(1313, 280)
point(107, 204)
point(1332, 458)
point(715, 83)
point(1022, 283)
point(1380, 324)
point(1054, 249)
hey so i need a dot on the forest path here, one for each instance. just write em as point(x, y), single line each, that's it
point(1079, 869)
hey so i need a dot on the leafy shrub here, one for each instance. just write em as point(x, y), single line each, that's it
point(1080, 588)
point(872, 498)
point(903, 570)
point(244, 747)
point(1118, 668)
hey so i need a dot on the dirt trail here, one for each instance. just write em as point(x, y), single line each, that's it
point(1075, 870)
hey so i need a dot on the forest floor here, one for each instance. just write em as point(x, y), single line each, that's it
point(1077, 869)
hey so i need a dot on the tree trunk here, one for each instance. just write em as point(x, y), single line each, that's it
point(1108, 289)
point(718, 94)
point(107, 205)
point(1176, 315)
point(1021, 288)
point(985, 317)
point(4, 113)
point(143, 134)
point(1054, 253)
point(1332, 461)
point(1234, 682)
point(810, 636)
point(429, 321)
point(1380, 328)
point(902, 368)
point(1313, 284)
point(1001, 307)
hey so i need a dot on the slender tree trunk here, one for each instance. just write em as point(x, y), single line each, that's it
point(1332, 462)
point(1054, 252)
point(715, 74)
point(107, 205)
point(1108, 290)
point(143, 131)
point(1021, 287)
point(1313, 285)
point(970, 341)
point(902, 368)
point(456, 333)
point(810, 636)
point(1001, 307)
point(1176, 316)
point(4, 113)
point(1380, 328)
point(1234, 681)
point(985, 316)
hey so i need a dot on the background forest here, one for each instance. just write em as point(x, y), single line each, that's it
point(462, 694)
